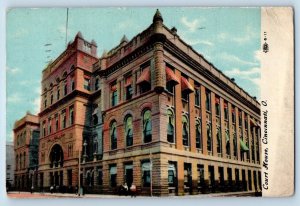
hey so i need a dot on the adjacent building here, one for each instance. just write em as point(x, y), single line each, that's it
point(26, 140)
point(10, 163)
point(150, 112)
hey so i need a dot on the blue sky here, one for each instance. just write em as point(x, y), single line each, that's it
point(227, 37)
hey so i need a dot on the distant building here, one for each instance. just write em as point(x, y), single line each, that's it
point(26, 137)
point(150, 112)
point(10, 165)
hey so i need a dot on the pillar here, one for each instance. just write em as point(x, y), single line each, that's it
point(178, 113)
point(192, 120)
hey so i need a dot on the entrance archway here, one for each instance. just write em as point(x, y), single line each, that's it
point(56, 156)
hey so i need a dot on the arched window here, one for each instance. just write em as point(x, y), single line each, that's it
point(128, 131)
point(209, 140)
point(219, 140)
point(147, 126)
point(185, 131)
point(235, 145)
point(170, 131)
point(227, 142)
point(198, 134)
point(113, 135)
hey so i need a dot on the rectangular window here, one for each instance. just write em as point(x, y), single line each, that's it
point(65, 88)
point(113, 175)
point(128, 87)
point(49, 126)
point(86, 84)
point(185, 95)
point(226, 110)
point(146, 173)
point(63, 119)
point(217, 105)
point(114, 94)
point(200, 171)
point(170, 87)
point(246, 121)
point(56, 123)
point(100, 176)
point(44, 129)
point(197, 96)
point(72, 84)
point(208, 100)
point(240, 118)
point(233, 115)
point(58, 94)
point(71, 113)
point(172, 173)
point(187, 176)
point(51, 99)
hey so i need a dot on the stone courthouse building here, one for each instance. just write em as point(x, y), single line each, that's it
point(150, 112)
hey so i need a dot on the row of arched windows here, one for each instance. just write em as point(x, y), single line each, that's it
point(21, 161)
point(128, 130)
point(198, 133)
point(21, 138)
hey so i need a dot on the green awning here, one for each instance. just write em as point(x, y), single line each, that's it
point(244, 147)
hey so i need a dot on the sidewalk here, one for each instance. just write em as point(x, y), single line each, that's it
point(68, 195)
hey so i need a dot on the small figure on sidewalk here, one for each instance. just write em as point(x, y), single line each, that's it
point(51, 189)
point(31, 189)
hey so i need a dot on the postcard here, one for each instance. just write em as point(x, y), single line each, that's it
point(145, 102)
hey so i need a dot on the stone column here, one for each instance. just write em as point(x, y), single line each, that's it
point(259, 145)
point(237, 134)
point(203, 121)
point(178, 113)
point(249, 139)
point(217, 178)
point(230, 130)
point(213, 125)
point(180, 171)
point(194, 179)
point(159, 66)
point(226, 181)
point(206, 179)
point(255, 141)
point(243, 135)
point(223, 129)
point(192, 120)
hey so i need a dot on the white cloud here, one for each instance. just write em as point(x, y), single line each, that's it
point(192, 25)
point(252, 74)
point(14, 70)
point(14, 98)
point(248, 35)
point(193, 42)
point(21, 32)
point(236, 60)
point(37, 101)
point(243, 73)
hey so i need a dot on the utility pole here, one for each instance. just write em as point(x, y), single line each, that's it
point(79, 172)
point(150, 173)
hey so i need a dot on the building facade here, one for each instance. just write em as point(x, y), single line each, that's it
point(26, 137)
point(66, 104)
point(10, 163)
point(150, 112)
point(173, 123)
